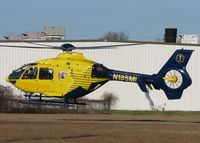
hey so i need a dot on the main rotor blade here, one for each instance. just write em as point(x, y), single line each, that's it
point(103, 47)
point(40, 44)
point(35, 47)
point(68, 47)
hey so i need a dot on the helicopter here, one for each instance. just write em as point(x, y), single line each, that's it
point(70, 75)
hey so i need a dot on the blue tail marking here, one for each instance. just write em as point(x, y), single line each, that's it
point(173, 77)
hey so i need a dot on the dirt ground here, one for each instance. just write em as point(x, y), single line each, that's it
point(93, 128)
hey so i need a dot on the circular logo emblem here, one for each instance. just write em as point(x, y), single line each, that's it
point(180, 58)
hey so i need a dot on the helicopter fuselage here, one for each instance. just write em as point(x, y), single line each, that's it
point(69, 74)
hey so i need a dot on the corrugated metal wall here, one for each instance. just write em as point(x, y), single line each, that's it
point(142, 58)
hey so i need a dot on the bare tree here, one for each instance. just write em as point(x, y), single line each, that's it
point(6, 98)
point(115, 36)
point(109, 100)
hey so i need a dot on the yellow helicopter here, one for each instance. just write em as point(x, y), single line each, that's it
point(70, 75)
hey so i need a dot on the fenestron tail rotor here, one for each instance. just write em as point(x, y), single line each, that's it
point(173, 79)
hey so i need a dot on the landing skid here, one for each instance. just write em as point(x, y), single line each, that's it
point(50, 101)
point(58, 104)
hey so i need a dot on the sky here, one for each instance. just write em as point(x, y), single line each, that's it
point(143, 20)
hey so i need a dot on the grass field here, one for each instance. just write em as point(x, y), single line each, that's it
point(170, 113)
point(126, 127)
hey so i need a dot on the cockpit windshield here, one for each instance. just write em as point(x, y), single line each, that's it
point(22, 68)
point(16, 74)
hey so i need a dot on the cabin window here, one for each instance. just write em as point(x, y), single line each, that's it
point(31, 73)
point(62, 74)
point(46, 74)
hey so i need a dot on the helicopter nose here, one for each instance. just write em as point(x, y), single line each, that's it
point(8, 79)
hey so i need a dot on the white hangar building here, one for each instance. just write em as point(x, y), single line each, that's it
point(143, 57)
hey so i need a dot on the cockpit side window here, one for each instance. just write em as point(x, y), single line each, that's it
point(46, 74)
point(31, 73)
